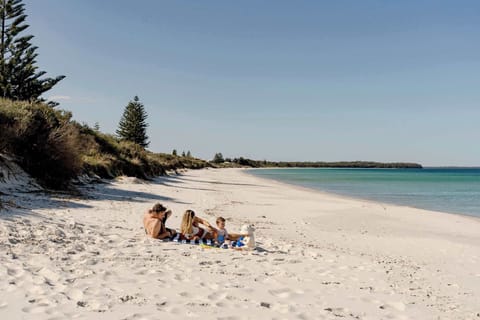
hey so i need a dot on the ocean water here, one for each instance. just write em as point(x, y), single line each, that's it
point(453, 190)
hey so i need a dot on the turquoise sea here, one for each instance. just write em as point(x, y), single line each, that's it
point(453, 190)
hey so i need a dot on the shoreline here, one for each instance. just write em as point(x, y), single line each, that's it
point(320, 256)
point(350, 197)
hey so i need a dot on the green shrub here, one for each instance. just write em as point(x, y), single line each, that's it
point(53, 149)
point(43, 141)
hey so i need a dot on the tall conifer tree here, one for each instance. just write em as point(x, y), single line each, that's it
point(133, 124)
point(218, 158)
point(19, 75)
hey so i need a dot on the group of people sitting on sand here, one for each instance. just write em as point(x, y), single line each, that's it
point(154, 222)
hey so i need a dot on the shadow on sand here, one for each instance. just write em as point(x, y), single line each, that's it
point(181, 179)
point(8, 212)
point(21, 204)
point(18, 204)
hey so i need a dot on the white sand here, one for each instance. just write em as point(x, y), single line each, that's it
point(321, 257)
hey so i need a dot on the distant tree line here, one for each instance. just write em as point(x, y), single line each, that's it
point(320, 164)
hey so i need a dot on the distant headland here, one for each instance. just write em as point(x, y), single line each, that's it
point(315, 164)
point(319, 164)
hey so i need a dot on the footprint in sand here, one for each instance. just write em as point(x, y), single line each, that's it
point(338, 312)
point(75, 294)
point(49, 275)
point(323, 273)
point(284, 293)
point(219, 295)
point(184, 294)
point(59, 317)
point(3, 272)
point(136, 316)
point(181, 277)
point(34, 309)
point(400, 306)
point(97, 306)
point(36, 290)
point(284, 308)
point(173, 310)
point(107, 275)
point(142, 271)
point(211, 286)
point(15, 272)
point(303, 316)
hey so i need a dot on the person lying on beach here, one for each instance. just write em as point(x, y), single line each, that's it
point(154, 222)
point(191, 230)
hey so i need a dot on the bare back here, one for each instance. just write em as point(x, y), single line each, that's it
point(152, 225)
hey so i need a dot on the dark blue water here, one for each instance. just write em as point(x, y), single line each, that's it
point(454, 190)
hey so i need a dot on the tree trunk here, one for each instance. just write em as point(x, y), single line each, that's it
point(2, 49)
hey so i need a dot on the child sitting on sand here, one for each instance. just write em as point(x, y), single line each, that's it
point(224, 238)
point(221, 234)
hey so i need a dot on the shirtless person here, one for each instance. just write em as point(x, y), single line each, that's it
point(154, 222)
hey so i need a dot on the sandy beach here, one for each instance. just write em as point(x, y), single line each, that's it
point(319, 256)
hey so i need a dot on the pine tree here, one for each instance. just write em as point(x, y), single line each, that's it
point(174, 152)
point(133, 125)
point(218, 158)
point(189, 154)
point(183, 154)
point(19, 78)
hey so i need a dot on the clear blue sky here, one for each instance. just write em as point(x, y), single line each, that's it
point(281, 80)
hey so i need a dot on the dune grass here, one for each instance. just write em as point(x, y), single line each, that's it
point(54, 149)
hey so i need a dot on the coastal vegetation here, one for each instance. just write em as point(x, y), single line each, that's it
point(133, 124)
point(318, 164)
point(45, 141)
point(19, 76)
point(54, 149)
point(218, 158)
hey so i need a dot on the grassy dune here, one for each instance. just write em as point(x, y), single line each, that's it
point(54, 149)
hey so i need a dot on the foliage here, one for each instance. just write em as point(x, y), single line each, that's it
point(19, 78)
point(52, 148)
point(340, 164)
point(109, 157)
point(43, 140)
point(133, 124)
point(218, 158)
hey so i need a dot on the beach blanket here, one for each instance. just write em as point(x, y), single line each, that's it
point(178, 239)
point(208, 244)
